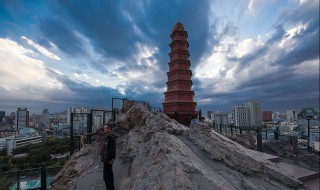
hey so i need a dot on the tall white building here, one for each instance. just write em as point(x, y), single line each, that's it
point(239, 116)
point(44, 118)
point(7, 144)
point(22, 119)
point(254, 114)
point(70, 110)
point(80, 119)
point(292, 115)
point(220, 118)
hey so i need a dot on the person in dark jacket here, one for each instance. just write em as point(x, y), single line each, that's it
point(108, 155)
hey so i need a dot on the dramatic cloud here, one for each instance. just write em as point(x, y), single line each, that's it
point(83, 53)
point(41, 49)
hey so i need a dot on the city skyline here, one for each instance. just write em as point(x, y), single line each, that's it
point(58, 54)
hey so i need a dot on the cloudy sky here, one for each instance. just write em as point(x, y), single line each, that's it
point(62, 53)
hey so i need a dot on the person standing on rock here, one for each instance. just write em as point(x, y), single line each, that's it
point(108, 155)
point(194, 120)
point(203, 119)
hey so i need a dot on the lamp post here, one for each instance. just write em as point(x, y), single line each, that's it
point(308, 145)
point(307, 113)
point(231, 126)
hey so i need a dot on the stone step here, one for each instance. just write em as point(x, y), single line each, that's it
point(302, 174)
point(313, 184)
point(267, 156)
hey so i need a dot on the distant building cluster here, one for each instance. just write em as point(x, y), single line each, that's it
point(21, 128)
point(250, 117)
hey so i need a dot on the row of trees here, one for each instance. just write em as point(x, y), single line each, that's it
point(39, 154)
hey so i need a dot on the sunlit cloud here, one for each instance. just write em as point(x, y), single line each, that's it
point(24, 77)
point(41, 49)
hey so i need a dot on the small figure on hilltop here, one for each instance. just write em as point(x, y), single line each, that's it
point(194, 120)
point(108, 155)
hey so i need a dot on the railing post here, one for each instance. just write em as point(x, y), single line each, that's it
point(266, 134)
point(231, 130)
point(308, 145)
point(103, 118)
point(43, 178)
point(113, 114)
point(294, 143)
point(226, 129)
point(89, 126)
point(259, 140)
point(276, 134)
point(18, 180)
point(71, 135)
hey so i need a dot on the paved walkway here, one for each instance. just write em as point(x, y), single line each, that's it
point(93, 179)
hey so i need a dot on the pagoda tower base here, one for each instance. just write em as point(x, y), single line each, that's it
point(182, 117)
point(179, 104)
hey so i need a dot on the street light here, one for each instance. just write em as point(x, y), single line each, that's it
point(308, 114)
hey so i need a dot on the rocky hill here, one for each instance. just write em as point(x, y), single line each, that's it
point(156, 152)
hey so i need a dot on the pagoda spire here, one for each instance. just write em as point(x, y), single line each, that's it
point(179, 102)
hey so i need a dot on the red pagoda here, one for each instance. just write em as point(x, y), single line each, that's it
point(179, 104)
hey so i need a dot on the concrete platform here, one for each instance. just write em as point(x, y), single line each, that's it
point(302, 174)
point(267, 156)
point(313, 184)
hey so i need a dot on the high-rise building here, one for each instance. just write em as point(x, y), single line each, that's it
point(8, 120)
point(239, 116)
point(179, 102)
point(44, 118)
point(2, 115)
point(36, 120)
point(70, 110)
point(13, 115)
point(22, 118)
point(254, 116)
point(80, 119)
point(220, 119)
point(267, 116)
point(209, 114)
point(292, 115)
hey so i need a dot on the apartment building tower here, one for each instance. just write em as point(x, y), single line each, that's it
point(239, 116)
point(254, 114)
point(22, 119)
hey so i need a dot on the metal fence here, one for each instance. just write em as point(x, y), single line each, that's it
point(84, 123)
point(33, 178)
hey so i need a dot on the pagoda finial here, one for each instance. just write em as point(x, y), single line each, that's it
point(178, 27)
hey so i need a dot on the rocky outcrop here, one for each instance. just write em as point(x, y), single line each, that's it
point(244, 160)
point(284, 149)
point(156, 152)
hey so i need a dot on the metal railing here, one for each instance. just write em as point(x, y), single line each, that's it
point(75, 140)
point(32, 174)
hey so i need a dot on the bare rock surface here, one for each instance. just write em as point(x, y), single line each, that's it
point(284, 149)
point(156, 152)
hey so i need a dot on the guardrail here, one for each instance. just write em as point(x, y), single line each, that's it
point(16, 177)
